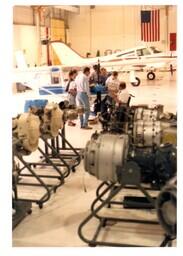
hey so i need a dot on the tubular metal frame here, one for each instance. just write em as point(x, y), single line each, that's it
point(49, 188)
point(112, 190)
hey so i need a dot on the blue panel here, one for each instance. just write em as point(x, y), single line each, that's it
point(34, 103)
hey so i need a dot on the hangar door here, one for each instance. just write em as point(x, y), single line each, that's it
point(57, 32)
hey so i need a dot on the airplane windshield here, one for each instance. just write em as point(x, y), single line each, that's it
point(155, 50)
point(143, 52)
point(131, 53)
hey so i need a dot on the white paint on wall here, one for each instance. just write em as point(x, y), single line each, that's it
point(113, 27)
point(25, 40)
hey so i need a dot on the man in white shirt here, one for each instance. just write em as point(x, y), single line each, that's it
point(83, 93)
point(123, 94)
point(112, 84)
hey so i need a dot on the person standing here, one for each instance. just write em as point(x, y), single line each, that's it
point(71, 90)
point(83, 94)
point(103, 76)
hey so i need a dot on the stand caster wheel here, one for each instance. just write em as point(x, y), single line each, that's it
point(92, 245)
point(78, 159)
point(40, 206)
point(29, 211)
point(109, 206)
point(55, 190)
point(73, 169)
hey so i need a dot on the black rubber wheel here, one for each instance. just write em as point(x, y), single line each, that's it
point(136, 83)
point(151, 76)
point(29, 211)
point(73, 169)
point(40, 206)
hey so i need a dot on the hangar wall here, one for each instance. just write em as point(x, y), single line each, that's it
point(25, 39)
point(89, 30)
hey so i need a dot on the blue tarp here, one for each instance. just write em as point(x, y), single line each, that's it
point(34, 103)
point(98, 88)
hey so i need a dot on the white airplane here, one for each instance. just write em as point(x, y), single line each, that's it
point(141, 58)
point(149, 59)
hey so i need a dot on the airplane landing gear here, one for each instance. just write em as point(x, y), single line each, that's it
point(151, 75)
point(137, 83)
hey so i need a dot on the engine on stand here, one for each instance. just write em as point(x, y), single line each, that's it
point(156, 164)
point(25, 140)
point(121, 164)
point(146, 126)
point(40, 123)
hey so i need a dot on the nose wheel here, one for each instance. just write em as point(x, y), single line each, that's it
point(151, 75)
point(137, 82)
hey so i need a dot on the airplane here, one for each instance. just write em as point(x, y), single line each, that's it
point(142, 58)
point(36, 77)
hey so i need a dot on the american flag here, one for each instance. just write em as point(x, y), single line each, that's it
point(150, 25)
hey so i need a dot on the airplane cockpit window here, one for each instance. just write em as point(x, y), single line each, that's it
point(143, 52)
point(155, 50)
point(131, 53)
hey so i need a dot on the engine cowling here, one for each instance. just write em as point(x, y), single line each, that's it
point(26, 132)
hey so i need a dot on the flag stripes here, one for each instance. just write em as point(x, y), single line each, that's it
point(150, 25)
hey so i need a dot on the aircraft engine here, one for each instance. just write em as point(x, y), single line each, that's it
point(107, 155)
point(26, 132)
point(52, 120)
point(70, 113)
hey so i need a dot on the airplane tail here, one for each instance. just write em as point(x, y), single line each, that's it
point(66, 55)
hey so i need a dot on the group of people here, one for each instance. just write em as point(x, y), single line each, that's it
point(78, 89)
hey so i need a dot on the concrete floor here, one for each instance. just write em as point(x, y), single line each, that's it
point(57, 223)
